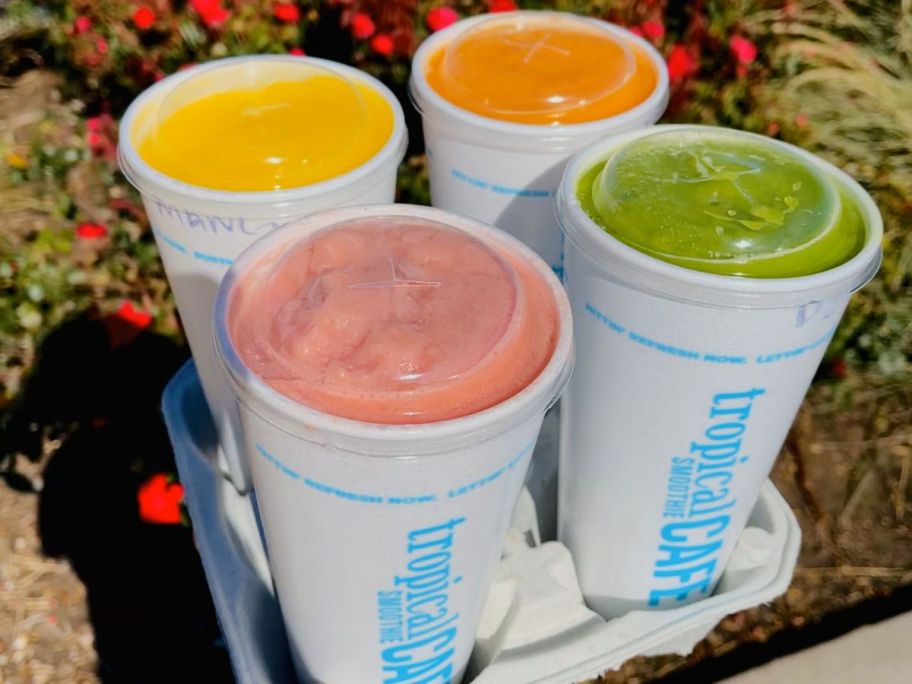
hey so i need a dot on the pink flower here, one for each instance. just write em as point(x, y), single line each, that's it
point(362, 26)
point(637, 31)
point(286, 12)
point(102, 46)
point(382, 44)
point(91, 231)
point(681, 63)
point(801, 120)
point(211, 12)
point(743, 49)
point(100, 135)
point(441, 17)
point(143, 17)
point(297, 52)
point(501, 6)
point(82, 24)
point(772, 128)
point(94, 123)
point(159, 500)
point(654, 30)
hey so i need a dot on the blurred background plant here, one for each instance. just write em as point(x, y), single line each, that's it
point(834, 76)
point(830, 75)
point(843, 82)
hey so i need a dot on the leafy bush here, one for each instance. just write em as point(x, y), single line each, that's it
point(831, 75)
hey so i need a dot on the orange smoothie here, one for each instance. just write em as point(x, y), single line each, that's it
point(542, 70)
point(394, 321)
point(266, 127)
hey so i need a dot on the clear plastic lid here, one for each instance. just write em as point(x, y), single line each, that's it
point(517, 65)
point(261, 125)
point(710, 196)
point(388, 321)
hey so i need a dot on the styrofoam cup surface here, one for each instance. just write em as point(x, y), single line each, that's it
point(504, 173)
point(687, 387)
point(383, 538)
point(199, 232)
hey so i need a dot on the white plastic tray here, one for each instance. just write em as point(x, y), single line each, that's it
point(535, 628)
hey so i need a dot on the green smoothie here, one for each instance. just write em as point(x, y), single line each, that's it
point(723, 202)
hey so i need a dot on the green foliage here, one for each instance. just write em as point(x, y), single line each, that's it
point(832, 75)
point(110, 59)
point(840, 83)
point(49, 277)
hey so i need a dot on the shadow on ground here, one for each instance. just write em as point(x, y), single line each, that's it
point(98, 384)
point(790, 641)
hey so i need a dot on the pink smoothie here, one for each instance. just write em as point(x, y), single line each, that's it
point(394, 320)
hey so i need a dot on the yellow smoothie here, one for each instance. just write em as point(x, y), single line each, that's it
point(543, 70)
point(266, 130)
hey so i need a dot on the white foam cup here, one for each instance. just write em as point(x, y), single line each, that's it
point(506, 173)
point(383, 539)
point(687, 385)
point(200, 231)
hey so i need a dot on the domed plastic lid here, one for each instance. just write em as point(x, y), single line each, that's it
point(388, 321)
point(267, 124)
point(710, 196)
point(519, 64)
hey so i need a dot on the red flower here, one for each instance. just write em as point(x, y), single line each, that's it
point(159, 500)
point(137, 318)
point(501, 6)
point(681, 63)
point(772, 128)
point(441, 17)
point(743, 49)
point(654, 30)
point(100, 135)
point(91, 231)
point(102, 46)
point(81, 24)
point(211, 12)
point(801, 120)
point(637, 31)
point(382, 44)
point(297, 52)
point(126, 324)
point(96, 142)
point(143, 17)
point(287, 12)
point(839, 368)
point(362, 26)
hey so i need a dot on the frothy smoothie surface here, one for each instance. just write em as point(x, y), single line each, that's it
point(541, 70)
point(394, 321)
point(265, 126)
point(724, 202)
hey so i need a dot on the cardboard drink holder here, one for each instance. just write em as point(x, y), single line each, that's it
point(535, 627)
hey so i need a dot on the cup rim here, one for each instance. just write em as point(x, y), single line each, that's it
point(640, 271)
point(292, 417)
point(429, 102)
point(144, 177)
